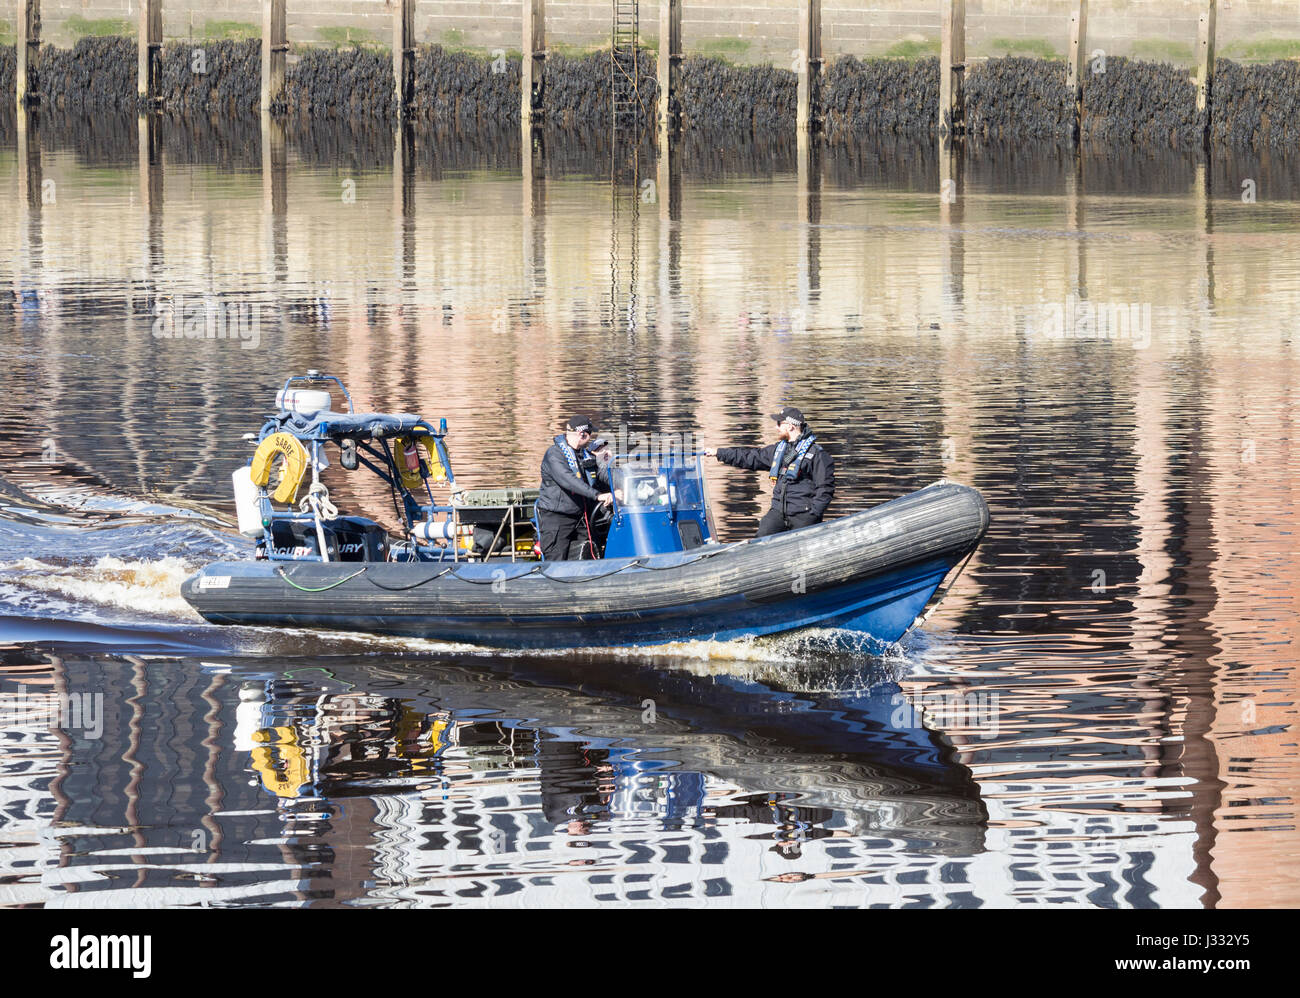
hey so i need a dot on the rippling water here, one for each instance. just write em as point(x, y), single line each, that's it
point(1102, 712)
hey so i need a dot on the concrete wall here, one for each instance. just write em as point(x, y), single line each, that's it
point(760, 30)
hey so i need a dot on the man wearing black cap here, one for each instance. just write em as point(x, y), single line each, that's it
point(568, 491)
point(803, 474)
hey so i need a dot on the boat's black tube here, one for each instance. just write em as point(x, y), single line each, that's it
point(942, 522)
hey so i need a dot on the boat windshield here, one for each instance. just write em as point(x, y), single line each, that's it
point(676, 483)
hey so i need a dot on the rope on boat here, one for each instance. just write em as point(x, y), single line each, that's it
point(536, 569)
point(541, 570)
point(636, 563)
point(488, 582)
point(699, 557)
point(414, 585)
point(308, 589)
point(317, 501)
point(592, 578)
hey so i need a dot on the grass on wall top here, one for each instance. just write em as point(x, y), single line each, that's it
point(102, 27)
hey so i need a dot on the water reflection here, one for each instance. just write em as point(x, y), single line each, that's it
point(1130, 619)
point(427, 748)
point(246, 783)
point(375, 780)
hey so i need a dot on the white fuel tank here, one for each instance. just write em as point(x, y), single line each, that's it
point(246, 503)
point(303, 401)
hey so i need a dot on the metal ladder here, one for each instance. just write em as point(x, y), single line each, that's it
point(625, 225)
point(624, 90)
point(627, 124)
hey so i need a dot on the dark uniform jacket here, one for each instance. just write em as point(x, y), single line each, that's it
point(562, 490)
point(813, 487)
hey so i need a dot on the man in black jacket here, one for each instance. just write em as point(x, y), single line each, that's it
point(803, 474)
point(601, 518)
point(568, 491)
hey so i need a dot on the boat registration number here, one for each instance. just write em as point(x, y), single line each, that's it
point(214, 582)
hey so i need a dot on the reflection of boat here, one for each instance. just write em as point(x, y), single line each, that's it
point(456, 576)
point(839, 751)
point(295, 754)
point(854, 752)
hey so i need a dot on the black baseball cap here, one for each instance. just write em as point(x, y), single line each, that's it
point(577, 424)
point(789, 412)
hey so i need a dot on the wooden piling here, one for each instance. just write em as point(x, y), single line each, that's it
point(1076, 221)
point(275, 51)
point(403, 55)
point(1078, 60)
point(149, 160)
point(952, 214)
point(668, 193)
point(533, 203)
point(810, 62)
point(1205, 58)
point(30, 228)
point(275, 196)
point(29, 163)
point(808, 191)
point(1203, 196)
point(149, 52)
point(404, 202)
point(670, 58)
point(952, 68)
point(28, 52)
point(534, 54)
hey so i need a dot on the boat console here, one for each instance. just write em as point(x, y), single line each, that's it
point(664, 507)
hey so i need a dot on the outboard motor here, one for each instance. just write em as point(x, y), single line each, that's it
point(664, 507)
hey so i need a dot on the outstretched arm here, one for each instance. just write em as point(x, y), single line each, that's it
point(750, 458)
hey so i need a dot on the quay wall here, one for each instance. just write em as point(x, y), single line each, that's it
point(756, 31)
point(1012, 98)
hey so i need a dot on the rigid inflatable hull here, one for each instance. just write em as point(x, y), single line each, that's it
point(871, 573)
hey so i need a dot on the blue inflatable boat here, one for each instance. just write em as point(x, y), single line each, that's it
point(465, 568)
